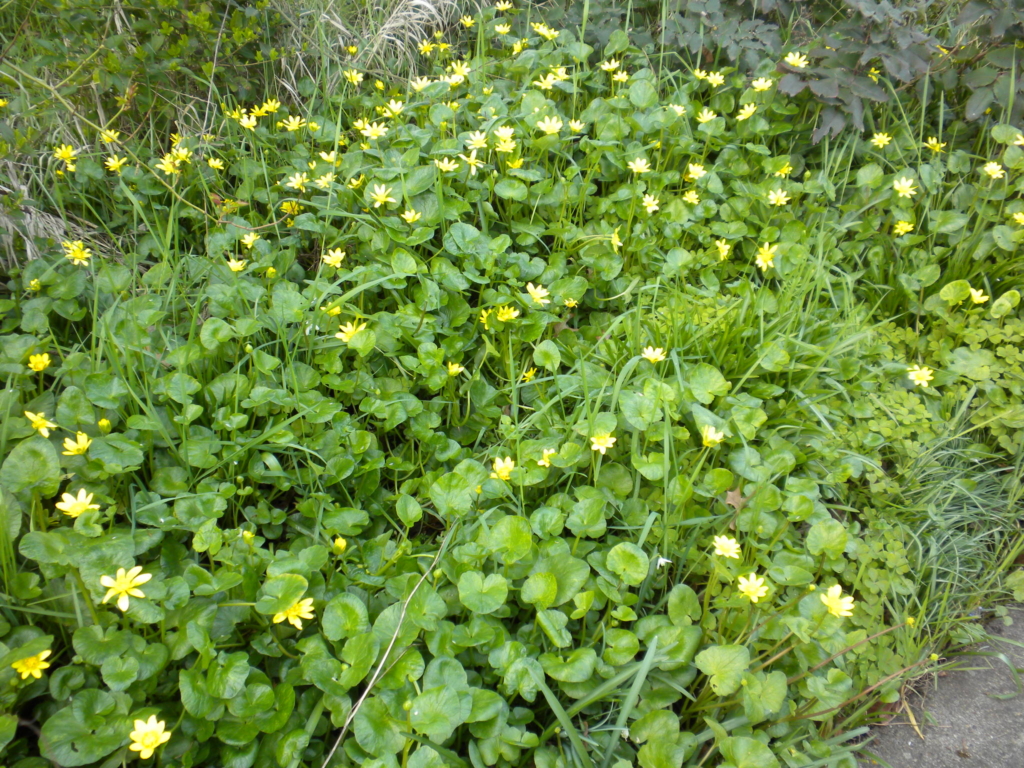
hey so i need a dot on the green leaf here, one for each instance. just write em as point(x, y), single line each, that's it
point(86, 731)
point(547, 356)
point(280, 592)
point(540, 590)
point(344, 616)
point(577, 667)
point(683, 606)
point(8, 727)
point(955, 292)
point(1005, 304)
point(511, 538)
point(707, 383)
point(436, 713)
point(482, 595)
point(643, 94)
point(409, 510)
point(828, 536)
point(96, 645)
point(724, 665)
point(744, 752)
point(119, 672)
point(511, 189)
point(32, 466)
point(452, 495)
point(376, 730)
point(629, 563)
point(420, 180)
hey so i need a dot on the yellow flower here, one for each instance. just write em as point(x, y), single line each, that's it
point(411, 216)
point(507, 314)
point(76, 252)
point(325, 181)
point(248, 121)
point(333, 258)
point(39, 423)
point(796, 60)
point(301, 609)
point(181, 154)
point(706, 116)
point(352, 76)
point(66, 153)
point(904, 187)
point(545, 31)
point(994, 170)
point(484, 314)
point(271, 272)
point(503, 468)
point(446, 165)
point(616, 240)
point(467, 21)
point(710, 436)
point(270, 106)
point(1018, 218)
point(528, 375)
point(766, 256)
point(550, 125)
point(503, 5)
point(723, 249)
point(695, 171)
point(679, 109)
point(653, 354)
point(298, 181)
point(110, 137)
point(651, 203)
point(934, 144)
point(691, 197)
point(978, 296)
point(602, 442)
point(454, 369)
point(104, 425)
point(716, 79)
point(837, 604)
point(356, 182)
point(39, 363)
point(477, 140)
point(762, 84)
point(1019, 141)
point(148, 736)
point(700, 74)
point(911, 621)
point(291, 207)
point(460, 69)
point(639, 165)
point(381, 195)
point(32, 666)
point(784, 171)
point(249, 239)
point(778, 197)
point(517, 163)
point(752, 587)
point(546, 83)
point(538, 293)
point(570, 303)
point(4, 102)
point(519, 45)
point(35, 285)
point(115, 163)
point(610, 66)
point(472, 162)
point(125, 584)
point(747, 111)
point(621, 76)
point(426, 48)
point(216, 163)
point(236, 265)
point(375, 131)
point(78, 446)
point(73, 506)
point(545, 460)
point(920, 375)
point(331, 311)
point(502, 29)
point(339, 546)
point(881, 140)
point(726, 546)
point(347, 331)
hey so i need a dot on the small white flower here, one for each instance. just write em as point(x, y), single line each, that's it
point(663, 561)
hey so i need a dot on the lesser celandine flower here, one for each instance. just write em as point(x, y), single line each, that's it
point(766, 256)
point(602, 442)
point(784, 171)
point(39, 423)
point(446, 165)
point(545, 31)
point(651, 203)
point(333, 258)
point(726, 546)
point(576, 125)
point(425, 48)
point(104, 426)
point(339, 546)
point(249, 122)
point(503, 5)
point(653, 354)
point(746, 111)
point(124, 585)
point(35, 285)
point(621, 76)
point(752, 587)
point(691, 197)
point(902, 228)
point(700, 74)
point(679, 109)
point(546, 83)
point(873, 73)
point(39, 363)
point(73, 506)
point(216, 163)
point(528, 375)
point(78, 446)
point(507, 313)
point(550, 125)
point(934, 144)
point(920, 375)
point(1018, 218)
point(348, 331)
point(796, 60)
point(411, 216)
point(477, 140)
point(381, 195)
point(706, 116)
point(237, 265)
point(994, 170)
point(978, 296)
point(249, 239)
point(298, 181)
point(778, 197)
point(762, 84)
point(502, 468)
point(353, 76)
point(375, 131)
point(76, 252)
point(904, 186)
point(293, 614)
point(639, 165)
point(715, 79)
point(723, 249)
point(538, 293)
point(66, 153)
point(837, 604)
point(694, 171)
point(32, 666)
point(881, 140)
point(570, 303)
point(472, 161)
point(148, 736)
point(454, 369)
point(502, 29)
point(710, 436)
point(545, 460)
point(467, 21)
point(114, 164)
point(168, 165)
point(610, 65)
point(616, 240)
point(110, 137)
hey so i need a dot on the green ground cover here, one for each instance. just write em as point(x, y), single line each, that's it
point(548, 408)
